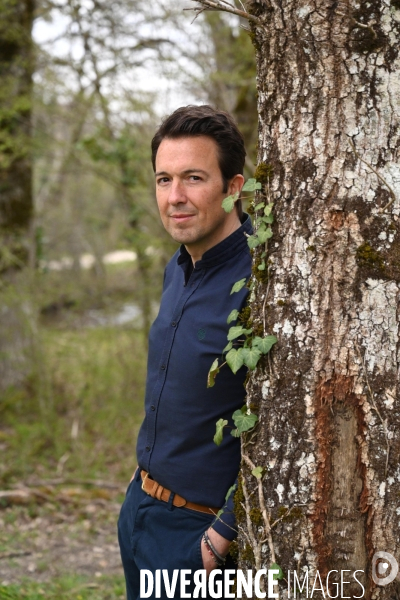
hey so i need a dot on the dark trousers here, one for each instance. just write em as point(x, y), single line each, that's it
point(157, 535)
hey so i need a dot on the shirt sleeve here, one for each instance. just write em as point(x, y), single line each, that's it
point(225, 523)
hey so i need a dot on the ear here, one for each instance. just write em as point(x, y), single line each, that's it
point(235, 184)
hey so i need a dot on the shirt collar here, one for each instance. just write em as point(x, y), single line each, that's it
point(224, 250)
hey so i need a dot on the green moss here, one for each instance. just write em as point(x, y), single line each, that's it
point(256, 516)
point(247, 554)
point(258, 330)
point(281, 303)
point(368, 257)
point(238, 500)
point(311, 248)
point(234, 551)
point(261, 276)
point(288, 515)
point(264, 172)
point(244, 315)
point(254, 40)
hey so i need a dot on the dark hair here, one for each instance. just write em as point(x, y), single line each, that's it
point(193, 121)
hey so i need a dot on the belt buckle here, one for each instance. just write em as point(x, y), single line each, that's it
point(143, 482)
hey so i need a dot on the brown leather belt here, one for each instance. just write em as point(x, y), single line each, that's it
point(155, 490)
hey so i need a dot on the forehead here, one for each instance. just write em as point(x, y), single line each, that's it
point(183, 153)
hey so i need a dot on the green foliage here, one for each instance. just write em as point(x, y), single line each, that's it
point(251, 356)
point(213, 372)
point(265, 344)
point(251, 185)
point(238, 285)
point(258, 472)
point(229, 202)
point(221, 423)
point(233, 315)
point(243, 420)
point(253, 346)
point(237, 331)
point(234, 358)
point(275, 567)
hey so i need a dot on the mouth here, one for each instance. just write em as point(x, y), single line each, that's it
point(181, 217)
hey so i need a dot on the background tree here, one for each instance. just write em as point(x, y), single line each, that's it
point(326, 492)
point(16, 65)
point(16, 201)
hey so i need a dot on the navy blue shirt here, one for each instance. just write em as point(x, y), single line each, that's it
point(175, 443)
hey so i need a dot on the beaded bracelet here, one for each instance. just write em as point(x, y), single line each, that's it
point(220, 559)
point(210, 552)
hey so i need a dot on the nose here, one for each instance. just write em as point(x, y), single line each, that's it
point(176, 193)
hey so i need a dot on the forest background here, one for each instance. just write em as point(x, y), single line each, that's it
point(80, 285)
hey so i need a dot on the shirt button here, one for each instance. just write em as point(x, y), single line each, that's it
point(148, 448)
point(162, 367)
point(153, 407)
point(173, 323)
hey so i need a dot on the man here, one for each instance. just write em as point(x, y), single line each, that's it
point(198, 157)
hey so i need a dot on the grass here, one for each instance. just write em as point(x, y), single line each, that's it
point(67, 588)
point(80, 410)
point(74, 414)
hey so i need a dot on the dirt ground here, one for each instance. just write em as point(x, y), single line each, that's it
point(54, 538)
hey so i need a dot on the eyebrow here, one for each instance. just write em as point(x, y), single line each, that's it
point(186, 172)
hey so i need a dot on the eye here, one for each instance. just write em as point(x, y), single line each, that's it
point(195, 177)
point(162, 180)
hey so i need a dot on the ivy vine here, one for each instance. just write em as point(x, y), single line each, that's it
point(244, 347)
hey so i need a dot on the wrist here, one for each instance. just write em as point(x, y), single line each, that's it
point(220, 543)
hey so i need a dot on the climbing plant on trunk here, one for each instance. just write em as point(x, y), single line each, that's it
point(325, 453)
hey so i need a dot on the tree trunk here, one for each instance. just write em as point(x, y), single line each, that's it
point(328, 396)
point(16, 204)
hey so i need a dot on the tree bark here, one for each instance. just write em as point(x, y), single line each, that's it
point(328, 396)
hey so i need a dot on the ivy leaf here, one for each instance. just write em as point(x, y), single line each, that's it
point(243, 421)
point(261, 267)
point(276, 567)
point(235, 433)
point(268, 219)
point(236, 331)
point(251, 185)
point(233, 315)
point(238, 285)
point(251, 356)
point(259, 206)
point(234, 359)
point(263, 236)
point(227, 348)
point(212, 373)
point(268, 208)
point(253, 241)
point(265, 344)
point(229, 202)
point(258, 472)
point(219, 433)
point(230, 491)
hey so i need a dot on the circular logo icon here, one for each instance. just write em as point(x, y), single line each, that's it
point(381, 574)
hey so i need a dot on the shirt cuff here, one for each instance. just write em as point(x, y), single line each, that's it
point(225, 524)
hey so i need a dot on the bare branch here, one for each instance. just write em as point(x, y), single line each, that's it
point(224, 6)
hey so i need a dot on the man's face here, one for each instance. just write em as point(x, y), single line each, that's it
point(189, 193)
